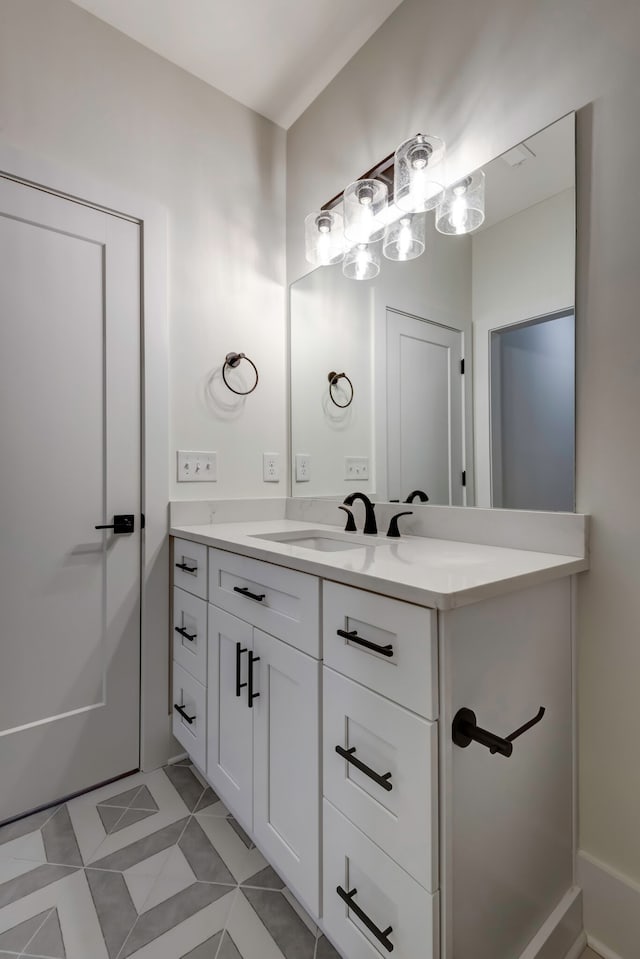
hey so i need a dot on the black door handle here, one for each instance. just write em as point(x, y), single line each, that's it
point(187, 569)
point(180, 709)
point(240, 649)
point(382, 935)
point(381, 780)
point(244, 591)
point(353, 637)
point(183, 632)
point(122, 523)
point(250, 693)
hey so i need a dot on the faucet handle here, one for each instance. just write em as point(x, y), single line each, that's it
point(351, 523)
point(393, 525)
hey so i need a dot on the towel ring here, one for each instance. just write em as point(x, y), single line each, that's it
point(334, 378)
point(233, 360)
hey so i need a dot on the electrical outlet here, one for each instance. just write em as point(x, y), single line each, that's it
point(356, 467)
point(271, 467)
point(303, 467)
point(197, 467)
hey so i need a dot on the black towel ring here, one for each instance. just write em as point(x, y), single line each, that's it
point(334, 378)
point(232, 360)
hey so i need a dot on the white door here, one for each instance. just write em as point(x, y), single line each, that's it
point(425, 433)
point(69, 460)
point(286, 764)
point(230, 719)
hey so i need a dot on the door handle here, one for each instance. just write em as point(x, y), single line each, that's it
point(183, 632)
point(122, 523)
point(382, 935)
point(181, 710)
point(352, 636)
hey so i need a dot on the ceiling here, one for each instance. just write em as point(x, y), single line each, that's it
point(275, 56)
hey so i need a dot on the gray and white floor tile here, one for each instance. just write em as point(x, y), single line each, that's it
point(151, 867)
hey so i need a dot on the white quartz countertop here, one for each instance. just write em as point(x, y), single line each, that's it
point(431, 572)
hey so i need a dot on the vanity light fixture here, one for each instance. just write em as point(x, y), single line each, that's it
point(461, 208)
point(364, 201)
point(404, 238)
point(324, 237)
point(417, 184)
point(389, 203)
point(362, 262)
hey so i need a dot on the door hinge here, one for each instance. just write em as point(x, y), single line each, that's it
point(464, 477)
point(462, 367)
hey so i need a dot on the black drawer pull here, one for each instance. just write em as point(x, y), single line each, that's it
point(240, 649)
point(250, 693)
point(353, 637)
point(183, 632)
point(382, 935)
point(187, 569)
point(180, 709)
point(348, 754)
point(244, 591)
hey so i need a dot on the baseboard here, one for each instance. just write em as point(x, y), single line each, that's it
point(611, 909)
point(180, 758)
point(562, 935)
point(603, 951)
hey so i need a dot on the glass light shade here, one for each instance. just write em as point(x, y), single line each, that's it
point(462, 206)
point(404, 239)
point(417, 173)
point(324, 237)
point(363, 201)
point(361, 262)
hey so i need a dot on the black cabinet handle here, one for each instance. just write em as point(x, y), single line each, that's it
point(382, 935)
point(348, 754)
point(180, 709)
point(353, 637)
point(183, 632)
point(187, 569)
point(240, 649)
point(250, 693)
point(244, 591)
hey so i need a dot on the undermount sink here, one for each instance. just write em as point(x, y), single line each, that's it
point(319, 540)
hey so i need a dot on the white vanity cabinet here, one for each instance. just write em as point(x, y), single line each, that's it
point(330, 712)
point(263, 734)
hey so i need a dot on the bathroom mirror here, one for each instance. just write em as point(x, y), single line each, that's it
point(452, 373)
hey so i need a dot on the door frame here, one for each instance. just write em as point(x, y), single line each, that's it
point(28, 168)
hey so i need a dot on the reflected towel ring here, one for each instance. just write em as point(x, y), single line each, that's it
point(334, 378)
point(233, 360)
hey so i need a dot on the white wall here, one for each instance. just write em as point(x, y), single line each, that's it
point(77, 91)
point(485, 75)
point(522, 267)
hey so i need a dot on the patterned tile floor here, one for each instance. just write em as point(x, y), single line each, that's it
point(151, 867)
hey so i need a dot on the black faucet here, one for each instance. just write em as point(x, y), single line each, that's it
point(370, 525)
point(420, 494)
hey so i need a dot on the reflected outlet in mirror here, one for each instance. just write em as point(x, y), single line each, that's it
point(462, 360)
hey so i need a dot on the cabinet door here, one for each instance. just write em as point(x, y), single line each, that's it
point(230, 721)
point(287, 764)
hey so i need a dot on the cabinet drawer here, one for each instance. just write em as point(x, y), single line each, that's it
point(399, 812)
point(190, 567)
point(289, 601)
point(403, 666)
point(389, 898)
point(191, 696)
point(190, 633)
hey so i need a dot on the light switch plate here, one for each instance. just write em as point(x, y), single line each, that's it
point(197, 467)
point(303, 468)
point(271, 467)
point(356, 467)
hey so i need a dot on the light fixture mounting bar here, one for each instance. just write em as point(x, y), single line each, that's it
point(383, 171)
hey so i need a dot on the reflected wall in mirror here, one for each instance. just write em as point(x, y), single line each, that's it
point(496, 430)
